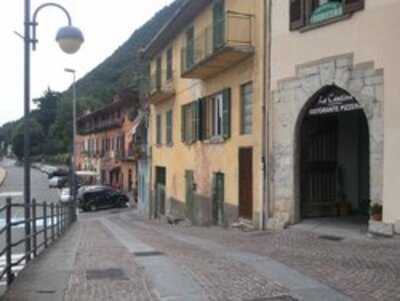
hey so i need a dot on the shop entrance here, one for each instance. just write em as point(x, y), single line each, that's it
point(334, 156)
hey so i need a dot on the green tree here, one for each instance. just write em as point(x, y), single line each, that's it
point(37, 139)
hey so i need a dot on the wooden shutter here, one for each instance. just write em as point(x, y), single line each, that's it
point(297, 14)
point(202, 113)
point(196, 120)
point(226, 114)
point(183, 123)
point(351, 6)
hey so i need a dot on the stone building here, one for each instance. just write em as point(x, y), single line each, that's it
point(106, 142)
point(333, 135)
point(206, 112)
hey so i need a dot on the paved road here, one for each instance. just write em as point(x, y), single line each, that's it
point(14, 185)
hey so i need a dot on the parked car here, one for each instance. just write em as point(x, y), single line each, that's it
point(65, 195)
point(58, 172)
point(101, 197)
point(58, 182)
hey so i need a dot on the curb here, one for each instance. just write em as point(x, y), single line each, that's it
point(3, 175)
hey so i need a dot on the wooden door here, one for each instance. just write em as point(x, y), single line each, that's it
point(319, 167)
point(189, 181)
point(246, 183)
point(218, 199)
point(160, 191)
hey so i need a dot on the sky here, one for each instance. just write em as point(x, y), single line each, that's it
point(105, 24)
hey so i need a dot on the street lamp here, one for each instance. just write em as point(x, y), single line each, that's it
point(70, 40)
point(73, 161)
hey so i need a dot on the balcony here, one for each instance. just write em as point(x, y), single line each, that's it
point(218, 47)
point(102, 126)
point(161, 86)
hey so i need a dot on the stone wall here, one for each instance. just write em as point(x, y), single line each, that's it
point(362, 81)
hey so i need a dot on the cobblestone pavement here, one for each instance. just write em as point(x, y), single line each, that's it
point(221, 278)
point(105, 270)
point(364, 269)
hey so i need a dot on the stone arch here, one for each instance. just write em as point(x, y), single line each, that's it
point(299, 123)
point(362, 81)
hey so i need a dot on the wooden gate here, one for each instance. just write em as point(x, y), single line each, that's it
point(319, 166)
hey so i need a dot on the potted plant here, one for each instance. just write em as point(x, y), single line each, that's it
point(376, 212)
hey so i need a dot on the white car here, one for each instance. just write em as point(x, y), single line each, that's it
point(65, 195)
point(56, 182)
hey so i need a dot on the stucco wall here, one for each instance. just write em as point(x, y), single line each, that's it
point(371, 35)
point(205, 159)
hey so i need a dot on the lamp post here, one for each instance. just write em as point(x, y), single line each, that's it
point(73, 161)
point(70, 39)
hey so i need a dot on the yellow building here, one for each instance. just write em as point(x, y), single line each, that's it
point(206, 128)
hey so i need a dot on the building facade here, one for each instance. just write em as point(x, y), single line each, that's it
point(106, 143)
point(333, 131)
point(206, 112)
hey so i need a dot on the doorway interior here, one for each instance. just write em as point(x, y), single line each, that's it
point(334, 159)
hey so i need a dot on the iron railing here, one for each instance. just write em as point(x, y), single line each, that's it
point(162, 81)
point(233, 30)
point(46, 226)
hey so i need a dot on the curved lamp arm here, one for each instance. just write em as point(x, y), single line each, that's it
point(34, 24)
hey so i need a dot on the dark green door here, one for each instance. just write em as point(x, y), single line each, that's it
point(218, 24)
point(218, 199)
point(189, 179)
point(161, 175)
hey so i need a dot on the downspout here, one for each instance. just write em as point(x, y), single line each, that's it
point(266, 112)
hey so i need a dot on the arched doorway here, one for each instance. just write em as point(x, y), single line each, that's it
point(333, 156)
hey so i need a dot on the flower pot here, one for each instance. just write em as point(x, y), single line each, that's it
point(377, 217)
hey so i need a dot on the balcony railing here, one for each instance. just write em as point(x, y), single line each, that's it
point(103, 126)
point(161, 86)
point(219, 46)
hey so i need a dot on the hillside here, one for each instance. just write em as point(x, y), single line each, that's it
point(123, 67)
point(53, 118)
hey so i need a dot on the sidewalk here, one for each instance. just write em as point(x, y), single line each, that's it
point(109, 256)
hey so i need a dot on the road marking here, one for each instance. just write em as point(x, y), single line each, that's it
point(11, 194)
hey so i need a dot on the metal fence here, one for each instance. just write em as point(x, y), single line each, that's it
point(47, 223)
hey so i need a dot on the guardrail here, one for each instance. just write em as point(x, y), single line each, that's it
point(55, 219)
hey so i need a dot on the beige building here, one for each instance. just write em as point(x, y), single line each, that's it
point(206, 118)
point(334, 112)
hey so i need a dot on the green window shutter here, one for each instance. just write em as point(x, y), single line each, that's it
point(202, 131)
point(169, 127)
point(196, 120)
point(183, 123)
point(351, 6)
point(226, 114)
point(297, 14)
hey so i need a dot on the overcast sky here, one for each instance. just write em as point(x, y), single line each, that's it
point(105, 24)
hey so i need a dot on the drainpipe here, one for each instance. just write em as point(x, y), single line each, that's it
point(266, 179)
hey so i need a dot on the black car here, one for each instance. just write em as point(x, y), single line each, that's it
point(93, 199)
point(58, 172)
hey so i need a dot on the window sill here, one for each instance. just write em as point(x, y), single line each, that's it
point(324, 23)
point(215, 140)
point(170, 145)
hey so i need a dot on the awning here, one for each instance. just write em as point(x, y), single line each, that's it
point(136, 123)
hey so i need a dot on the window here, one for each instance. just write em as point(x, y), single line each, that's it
point(246, 120)
point(159, 130)
point(189, 48)
point(215, 114)
point(305, 13)
point(169, 127)
point(190, 122)
point(169, 63)
point(207, 118)
point(158, 73)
